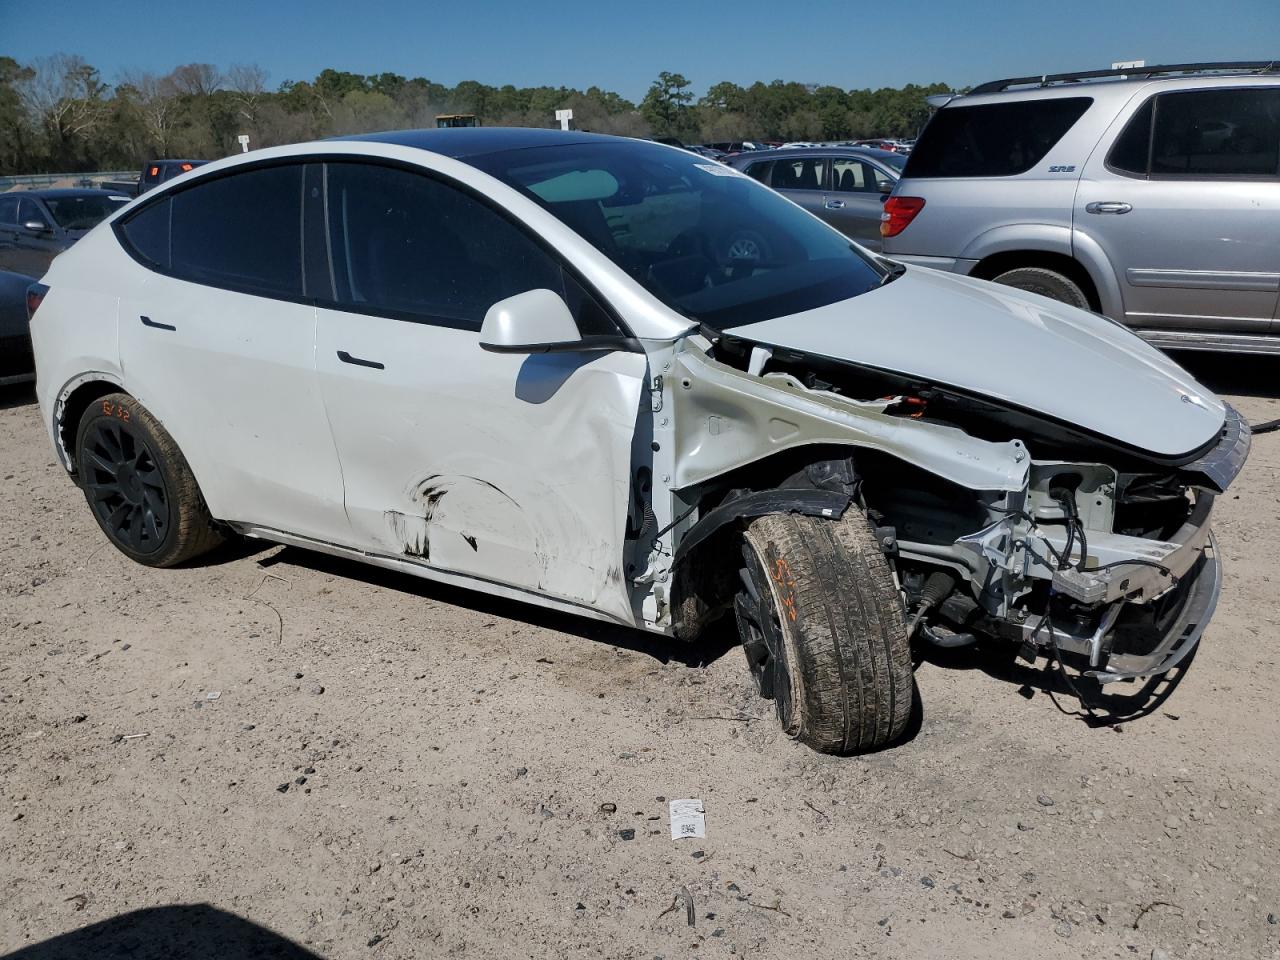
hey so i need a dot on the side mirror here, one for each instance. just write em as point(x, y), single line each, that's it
point(536, 321)
point(886, 188)
point(37, 226)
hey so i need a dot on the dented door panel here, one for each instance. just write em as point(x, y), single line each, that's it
point(509, 468)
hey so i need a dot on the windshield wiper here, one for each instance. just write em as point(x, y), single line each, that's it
point(894, 271)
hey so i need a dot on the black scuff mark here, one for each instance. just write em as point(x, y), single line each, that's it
point(471, 541)
point(411, 533)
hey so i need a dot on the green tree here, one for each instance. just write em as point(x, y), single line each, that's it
point(666, 105)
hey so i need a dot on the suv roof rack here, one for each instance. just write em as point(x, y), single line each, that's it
point(1239, 66)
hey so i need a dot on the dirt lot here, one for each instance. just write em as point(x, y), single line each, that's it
point(400, 770)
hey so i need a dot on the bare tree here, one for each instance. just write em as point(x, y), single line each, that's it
point(65, 95)
point(197, 79)
point(248, 84)
point(156, 100)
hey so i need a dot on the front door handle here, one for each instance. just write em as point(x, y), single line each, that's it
point(348, 358)
point(834, 204)
point(148, 322)
point(1108, 206)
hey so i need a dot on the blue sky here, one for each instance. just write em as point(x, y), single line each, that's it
point(622, 45)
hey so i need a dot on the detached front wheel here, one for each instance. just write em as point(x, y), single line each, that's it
point(823, 630)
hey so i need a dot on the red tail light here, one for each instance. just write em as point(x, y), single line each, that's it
point(35, 297)
point(898, 213)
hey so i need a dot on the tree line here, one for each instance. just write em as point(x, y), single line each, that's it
point(58, 114)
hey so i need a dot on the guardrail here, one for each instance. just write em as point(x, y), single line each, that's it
point(32, 181)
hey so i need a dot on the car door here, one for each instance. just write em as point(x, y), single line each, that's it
point(33, 248)
point(855, 201)
point(509, 468)
point(217, 339)
point(1185, 205)
point(802, 180)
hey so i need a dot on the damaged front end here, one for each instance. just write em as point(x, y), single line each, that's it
point(998, 523)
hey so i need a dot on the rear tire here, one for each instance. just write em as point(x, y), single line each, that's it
point(1047, 283)
point(822, 626)
point(139, 486)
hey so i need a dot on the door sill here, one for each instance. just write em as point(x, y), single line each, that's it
point(1212, 342)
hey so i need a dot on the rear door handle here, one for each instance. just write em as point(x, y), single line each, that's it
point(1108, 206)
point(348, 358)
point(834, 204)
point(148, 322)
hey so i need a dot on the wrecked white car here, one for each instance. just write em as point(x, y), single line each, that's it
point(609, 377)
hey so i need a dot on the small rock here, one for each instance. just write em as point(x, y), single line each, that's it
point(522, 771)
point(18, 816)
point(309, 770)
point(117, 738)
point(317, 689)
point(1044, 800)
point(927, 882)
point(1009, 915)
point(297, 676)
point(718, 932)
point(580, 906)
point(627, 834)
point(1063, 929)
point(699, 854)
point(300, 780)
point(125, 646)
point(608, 808)
point(1024, 827)
point(283, 788)
point(377, 937)
point(1272, 919)
point(80, 718)
point(883, 921)
point(1157, 953)
point(1172, 823)
point(247, 726)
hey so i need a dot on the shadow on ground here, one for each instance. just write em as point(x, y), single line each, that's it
point(1097, 705)
point(715, 642)
point(164, 933)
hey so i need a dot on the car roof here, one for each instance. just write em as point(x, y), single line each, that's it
point(64, 193)
point(459, 142)
point(1109, 85)
point(790, 152)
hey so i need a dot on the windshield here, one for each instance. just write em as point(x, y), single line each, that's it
point(706, 240)
point(83, 212)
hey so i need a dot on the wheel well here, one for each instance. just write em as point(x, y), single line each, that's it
point(73, 408)
point(998, 263)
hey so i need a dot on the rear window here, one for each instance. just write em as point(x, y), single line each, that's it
point(83, 212)
point(240, 232)
point(993, 140)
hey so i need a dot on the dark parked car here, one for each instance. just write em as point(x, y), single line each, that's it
point(845, 186)
point(16, 362)
point(37, 225)
point(154, 173)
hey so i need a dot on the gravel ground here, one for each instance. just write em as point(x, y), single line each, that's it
point(396, 769)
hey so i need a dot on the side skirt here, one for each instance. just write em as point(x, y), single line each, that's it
point(425, 571)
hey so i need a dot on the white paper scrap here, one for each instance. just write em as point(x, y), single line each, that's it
point(687, 819)
point(213, 695)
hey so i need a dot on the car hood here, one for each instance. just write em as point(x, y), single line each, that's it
point(1015, 347)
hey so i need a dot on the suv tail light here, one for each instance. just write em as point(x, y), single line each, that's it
point(898, 213)
point(35, 297)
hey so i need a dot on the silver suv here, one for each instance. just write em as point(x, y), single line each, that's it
point(1151, 196)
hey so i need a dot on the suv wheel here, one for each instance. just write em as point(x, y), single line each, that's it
point(1047, 283)
point(822, 627)
point(139, 486)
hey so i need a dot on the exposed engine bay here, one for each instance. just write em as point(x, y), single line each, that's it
point(1071, 544)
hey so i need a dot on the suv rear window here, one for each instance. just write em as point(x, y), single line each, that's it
point(993, 140)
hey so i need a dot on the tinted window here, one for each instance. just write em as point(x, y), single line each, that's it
point(994, 140)
point(1217, 133)
point(83, 212)
point(854, 176)
point(147, 232)
point(799, 174)
point(406, 244)
point(1130, 153)
point(709, 242)
point(8, 209)
point(242, 231)
point(760, 171)
point(29, 211)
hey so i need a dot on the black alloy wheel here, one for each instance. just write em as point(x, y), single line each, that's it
point(125, 486)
